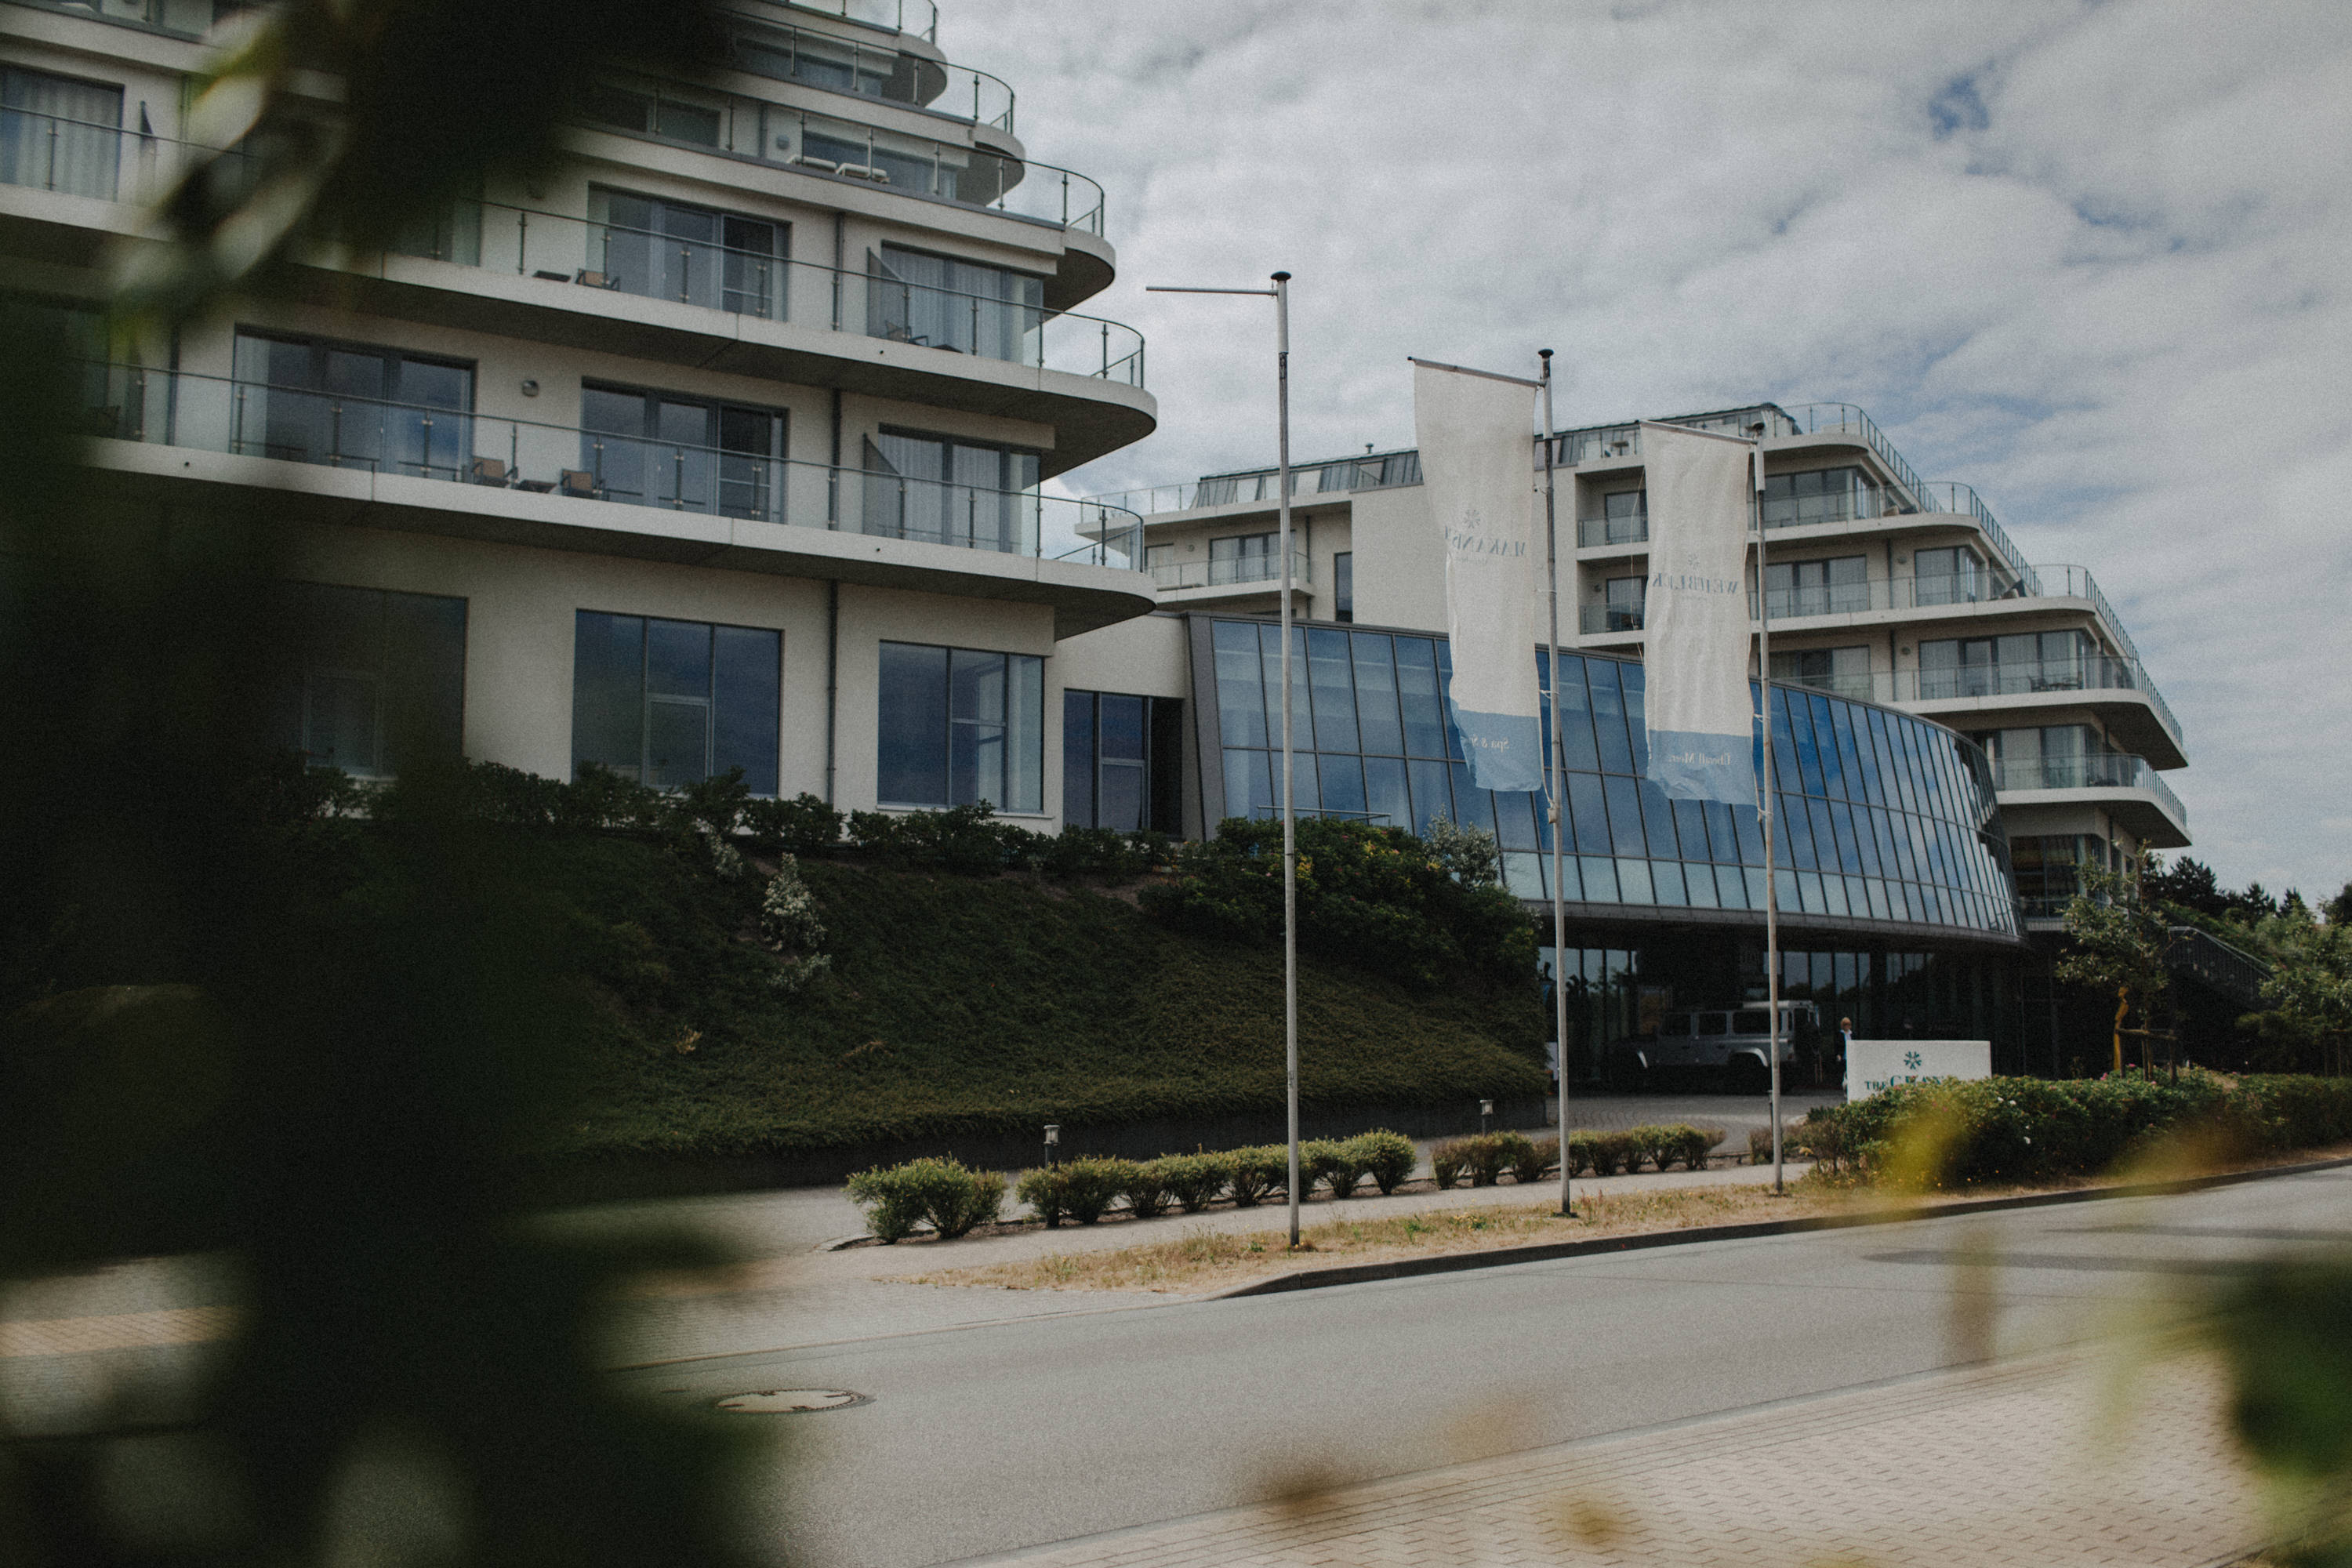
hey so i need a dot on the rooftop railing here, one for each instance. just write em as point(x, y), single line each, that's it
point(185, 18)
point(1213, 573)
point(733, 124)
point(917, 17)
point(742, 281)
point(783, 52)
point(1371, 471)
point(460, 447)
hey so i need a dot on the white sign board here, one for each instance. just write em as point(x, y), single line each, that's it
point(1873, 1065)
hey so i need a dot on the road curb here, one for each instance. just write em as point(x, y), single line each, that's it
point(1543, 1252)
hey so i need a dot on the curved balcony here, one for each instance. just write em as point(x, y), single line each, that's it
point(1193, 581)
point(753, 279)
point(781, 51)
point(2124, 785)
point(522, 480)
point(2145, 723)
point(735, 125)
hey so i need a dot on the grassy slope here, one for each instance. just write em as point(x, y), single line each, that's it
point(958, 1005)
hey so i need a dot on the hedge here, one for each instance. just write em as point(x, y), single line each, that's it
point(2027, 1130)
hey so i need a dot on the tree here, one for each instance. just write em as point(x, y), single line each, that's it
point(2337, 910)
point(2187, 884)
point(2310, 986)
point(2119, 938)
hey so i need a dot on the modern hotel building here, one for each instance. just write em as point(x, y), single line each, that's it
point(722, 445)
point(1950, 723)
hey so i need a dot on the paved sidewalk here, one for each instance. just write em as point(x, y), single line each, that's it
point(2014, 1465)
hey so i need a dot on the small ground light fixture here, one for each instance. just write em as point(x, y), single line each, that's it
point(1485, 1115)
point(1052, 1141)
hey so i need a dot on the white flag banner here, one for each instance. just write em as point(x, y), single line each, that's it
point(1698, 709)
point(1476, 436)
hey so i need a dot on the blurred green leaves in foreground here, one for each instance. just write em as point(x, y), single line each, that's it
point(322, 1069)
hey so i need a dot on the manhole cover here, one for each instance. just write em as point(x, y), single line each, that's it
point(788, 1401)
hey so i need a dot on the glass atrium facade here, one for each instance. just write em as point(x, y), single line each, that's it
point(1885, 819)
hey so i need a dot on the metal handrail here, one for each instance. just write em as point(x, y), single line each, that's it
point(1234, 572)
point(2095, 769)
point(982, 98)
point(380, 436)
point(872, 12)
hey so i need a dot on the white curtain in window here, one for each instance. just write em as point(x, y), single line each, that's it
point(59, 134)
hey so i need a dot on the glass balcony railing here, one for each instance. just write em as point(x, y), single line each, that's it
point(1593, 619)
point(760, 45)
point(2101, 770)
point(917, 17)
point(739, 126)
point(753, 280)
point(185, 18)
point(1175, 575)
point(2087, 673)
point(1372, 471)
point(459, 446)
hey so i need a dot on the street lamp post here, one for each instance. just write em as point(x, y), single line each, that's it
point(1280, 294)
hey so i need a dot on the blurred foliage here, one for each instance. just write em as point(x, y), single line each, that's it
point(338, 121)
point(2285, 1329)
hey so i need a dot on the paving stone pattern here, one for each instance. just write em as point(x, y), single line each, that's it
point(2021, 1464)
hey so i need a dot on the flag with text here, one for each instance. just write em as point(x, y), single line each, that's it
point(1697, 707)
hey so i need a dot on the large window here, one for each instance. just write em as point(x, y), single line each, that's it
point(653, 449)
point(912, 296)
point(944, 490)
point(1844, 670)
point(1818, 495)
point(1246, 558)
point(1953, 574)
point(352, 406)
point(2021, 661)
point(958, 726)
point(1831, 587)
point(2050, 868)
point(1343, 586)
point(673, 702)
point(698, 256)
point(652, 109)
point(58, 133)
point(1122, 761)
point(374, 678)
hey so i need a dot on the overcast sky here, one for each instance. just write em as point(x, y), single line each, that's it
point(2090, 258)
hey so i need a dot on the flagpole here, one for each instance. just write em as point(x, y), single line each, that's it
point(1764, 811)
point(1559, 780)
point(1281, 294)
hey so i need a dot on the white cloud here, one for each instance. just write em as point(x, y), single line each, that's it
point(2087, 257)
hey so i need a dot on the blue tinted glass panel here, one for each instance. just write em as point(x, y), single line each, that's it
point(1576, 717)
point(1801, 735)
point(1385, 793)
point(1850, 756)
point(1825, 746)
point(1825, 844)
point(1343, 784)
point(1474, 807)
point(1249, 784)
point(1797, 832)
point(1417, 694)
point(1587, 818)
point(1599, 877)
point(678, 658)
point(608, 691)
point(1078, 758)
point(1445, 684)
point(1609, 716)
point(1701, 879)
point(1330, 671)
point(1375, 696)
point(1786, 774)
point(1690, 828)
point(1625, 836)
point(1433, 793)
point(1658, 813)
point(1666, 883)
point(745, 698)
point(1633, 882)
point(1240, 690)
point(912, 764)
point(1751, 836)
point(1636, 734)
point(1515, 821)
point(1731, 887)
point(1854, 838)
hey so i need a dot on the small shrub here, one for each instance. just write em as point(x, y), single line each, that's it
point(1647, 1145)
point(1089, 1186)
point(1148, 1187)
point(951, 1196)
point(1329, 1162)
point(1579, 1152)
point(1194, 1180)
point(800, 826)
point(1046, 1192)
point(1692, 1145)
point(1541, 1158)
point(1388, 1158)
point(1258, 1173)
point(788, 926)
point(1613, 1152)
point(1447, 1161)
point(1492, 1154)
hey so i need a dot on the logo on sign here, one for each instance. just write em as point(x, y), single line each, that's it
point(1911, 1061)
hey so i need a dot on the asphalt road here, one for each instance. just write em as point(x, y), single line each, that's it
point(991, 1439)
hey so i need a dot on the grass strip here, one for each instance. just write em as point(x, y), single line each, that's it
point(1202, 1259)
